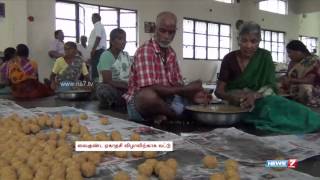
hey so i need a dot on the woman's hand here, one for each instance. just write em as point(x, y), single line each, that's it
point(54, 85)
point(235, 97)
point(248, 100)
point(286, 81)
point(284, 85)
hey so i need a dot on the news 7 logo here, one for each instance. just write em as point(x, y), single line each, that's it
point(292, 163)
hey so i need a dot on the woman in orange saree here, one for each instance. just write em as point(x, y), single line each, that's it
point(22, 75)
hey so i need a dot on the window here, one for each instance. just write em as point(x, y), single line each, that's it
point(225, 1)
point(274, 6)
point(205, 40)
point(66, 20)
point(274, 42)
point(310, 42)
point(75, 20)
point(85, 22)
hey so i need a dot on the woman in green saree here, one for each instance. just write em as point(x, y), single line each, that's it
point(247, 79)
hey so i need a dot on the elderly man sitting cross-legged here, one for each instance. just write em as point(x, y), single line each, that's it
point(156, 90)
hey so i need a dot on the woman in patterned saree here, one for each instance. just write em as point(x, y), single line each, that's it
point(22, 75)
point(247, 78)
point(68, 70)
point(302, 82)
point(8, 53)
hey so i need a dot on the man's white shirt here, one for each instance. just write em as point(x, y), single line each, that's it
point(85, 53)
point(97, 31)
point(57, 45)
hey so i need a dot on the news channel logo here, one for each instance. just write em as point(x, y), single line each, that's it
point(290, 163)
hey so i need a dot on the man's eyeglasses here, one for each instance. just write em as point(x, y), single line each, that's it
point(169, 31)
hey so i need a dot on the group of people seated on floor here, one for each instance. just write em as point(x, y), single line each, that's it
point(20, 73)
point(151, 87)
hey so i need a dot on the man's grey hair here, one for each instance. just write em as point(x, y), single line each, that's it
point(165, 14)
point(250, 27)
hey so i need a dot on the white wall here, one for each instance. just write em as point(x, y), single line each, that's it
point(309, 25)
point(39, 33)
point(307, 6)
point(13, 28)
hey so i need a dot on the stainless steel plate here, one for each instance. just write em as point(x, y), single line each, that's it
point(217, 114)
point(217, 108)
point(74, 95)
